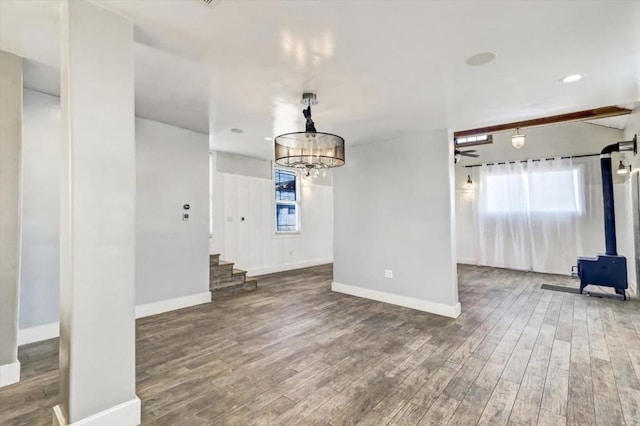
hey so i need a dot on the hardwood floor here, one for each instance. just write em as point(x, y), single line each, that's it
point(293, 353)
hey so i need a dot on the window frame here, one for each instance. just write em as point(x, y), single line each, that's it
point(461, 141)
point(295, 203)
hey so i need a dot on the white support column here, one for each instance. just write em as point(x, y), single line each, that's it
point(10, 146)
point(97, 232)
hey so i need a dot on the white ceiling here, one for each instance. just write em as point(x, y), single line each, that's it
point(381, 69)
point(618, 122)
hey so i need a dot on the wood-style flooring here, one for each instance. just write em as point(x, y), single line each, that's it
point(294, 353)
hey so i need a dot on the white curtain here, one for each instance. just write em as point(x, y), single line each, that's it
point(556, 206)
point(533, 215)
point(502, 219)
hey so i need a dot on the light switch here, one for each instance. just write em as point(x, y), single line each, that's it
point(388, 273)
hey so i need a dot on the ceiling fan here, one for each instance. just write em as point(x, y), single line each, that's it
point(467, 153)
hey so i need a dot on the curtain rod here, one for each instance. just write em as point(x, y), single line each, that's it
point(564, 157)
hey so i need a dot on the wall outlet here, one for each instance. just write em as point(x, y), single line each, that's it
point(388, 273)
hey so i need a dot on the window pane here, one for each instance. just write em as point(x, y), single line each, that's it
point(286, 217)
point(554, 191)
point(285, 185)
point(505, 193)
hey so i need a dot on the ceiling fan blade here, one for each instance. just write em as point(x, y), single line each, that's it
point(469, 150)
point(466, 154)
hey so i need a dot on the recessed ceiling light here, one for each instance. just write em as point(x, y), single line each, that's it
point(268, 138)
point(572, 78)
point(480, 58)
point(234, 130)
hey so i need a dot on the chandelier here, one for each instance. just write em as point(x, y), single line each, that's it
point(310, 150)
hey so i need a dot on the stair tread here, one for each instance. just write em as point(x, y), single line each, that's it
point(250, 279)
point(238, 271)
point(225, 263)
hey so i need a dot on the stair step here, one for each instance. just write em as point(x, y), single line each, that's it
point(224, 279)
point(227, 280)
point(244, 287)
point(224, 269)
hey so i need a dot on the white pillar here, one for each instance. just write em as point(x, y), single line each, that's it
point(10, 144)
point(97, 232)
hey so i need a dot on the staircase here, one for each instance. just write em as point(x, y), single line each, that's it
point(224, 279)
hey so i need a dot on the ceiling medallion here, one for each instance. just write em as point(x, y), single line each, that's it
point(310, 150)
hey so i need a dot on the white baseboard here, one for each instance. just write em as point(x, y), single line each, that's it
point(38, 333)
point(9, 374)
point(452, 311)
point(49, 331)
point(288, 267)
point(125, 414)
point(466, 261)
point(162, 306)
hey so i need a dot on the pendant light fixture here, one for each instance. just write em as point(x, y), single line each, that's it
point(517, 140)
point(310, 150)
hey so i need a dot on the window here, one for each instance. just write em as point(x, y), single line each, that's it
point(548, 191)
point(505, 193)
point(287, 201)
point(555, 192)
point(473, 140)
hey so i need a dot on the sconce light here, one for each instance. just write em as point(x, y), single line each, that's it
point(517, 140)
point(469, 182)
point(622, 169)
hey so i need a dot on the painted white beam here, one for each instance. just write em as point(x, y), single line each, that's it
point(10, 147)
point(97, 233)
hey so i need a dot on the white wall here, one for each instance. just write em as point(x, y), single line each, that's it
point(241, 165)
point(252, 244)
point(10, 147)
point(40, 254)
point(393, 210)
point(171, 253)
point(564, 139)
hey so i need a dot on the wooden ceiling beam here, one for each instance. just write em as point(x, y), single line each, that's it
point(590, 114)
